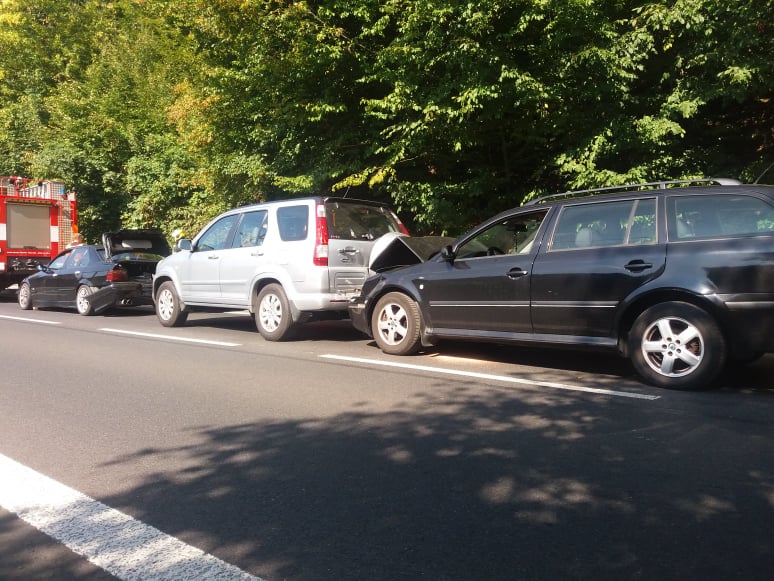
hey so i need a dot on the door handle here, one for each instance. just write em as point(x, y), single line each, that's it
point(516, 273)
point(260, 253)
point(213, 257)
point(348, 250)
point(638, 265)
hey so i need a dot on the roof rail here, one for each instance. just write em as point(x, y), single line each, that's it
point(644, 186)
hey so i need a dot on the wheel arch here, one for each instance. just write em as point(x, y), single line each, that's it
point(260, 283)
point(427, 339)
point(159, 280)
point(638, 306)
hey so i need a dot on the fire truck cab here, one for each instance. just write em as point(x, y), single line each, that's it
point(37, 220)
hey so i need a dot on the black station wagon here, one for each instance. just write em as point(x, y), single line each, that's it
point(677, 276)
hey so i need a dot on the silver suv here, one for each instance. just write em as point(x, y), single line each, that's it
point(286, 262)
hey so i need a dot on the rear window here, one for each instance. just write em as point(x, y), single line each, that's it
point(353, 221)
point(718, 216)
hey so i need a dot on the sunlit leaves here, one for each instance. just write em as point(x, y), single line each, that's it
point(163, 112)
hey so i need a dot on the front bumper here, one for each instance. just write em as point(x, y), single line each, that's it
point(358, 315)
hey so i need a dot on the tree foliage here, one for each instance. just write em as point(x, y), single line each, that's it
point(164, 113)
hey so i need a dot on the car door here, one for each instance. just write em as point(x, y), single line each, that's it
point(63, 284)
point(599, 254)
point(43, 284)
point(199, 275)
point(485, 289)
point(244, 258)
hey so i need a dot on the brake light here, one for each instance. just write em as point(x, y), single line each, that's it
point(117, 275)
point(321, 237)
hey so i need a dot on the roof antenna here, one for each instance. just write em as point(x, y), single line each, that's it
point(764, 172)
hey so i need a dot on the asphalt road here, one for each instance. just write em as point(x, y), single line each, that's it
point(322, 459)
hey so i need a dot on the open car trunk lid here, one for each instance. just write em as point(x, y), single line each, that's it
point(395, 250)
point(137, 251)
point(135, 244)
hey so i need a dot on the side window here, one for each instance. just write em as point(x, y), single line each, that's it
point(593, 225)
point(79, 257)
point(293, 222)
point(514, 235)
point(642, 226)
point(59, 261)
point(251, 230)
point(216, 236)
point(718, 216)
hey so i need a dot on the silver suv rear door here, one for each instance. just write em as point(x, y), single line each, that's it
point(353, 226)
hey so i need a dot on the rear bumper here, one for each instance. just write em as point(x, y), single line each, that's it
point(121, 294)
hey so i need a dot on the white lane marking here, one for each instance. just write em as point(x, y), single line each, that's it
point(171, 337)
point(125, 547)
point(492, 377)
point(28, 320)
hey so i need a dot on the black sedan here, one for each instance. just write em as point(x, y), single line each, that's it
point(93, 278)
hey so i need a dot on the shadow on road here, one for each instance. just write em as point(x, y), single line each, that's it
point(474, 483)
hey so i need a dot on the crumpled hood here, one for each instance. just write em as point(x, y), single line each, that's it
point(395, 250)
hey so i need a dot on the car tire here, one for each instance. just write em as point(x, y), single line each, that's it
point(168, 310)
point(272, 314)
point(395, 324)
point(677, 346)
point(25, 297)
point(82, 301)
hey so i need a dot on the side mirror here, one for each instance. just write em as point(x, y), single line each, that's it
point(447, 253)
point(182, 244)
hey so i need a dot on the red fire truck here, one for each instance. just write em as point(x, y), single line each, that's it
point(37, 219)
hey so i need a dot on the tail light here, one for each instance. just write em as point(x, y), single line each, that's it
point(117, 275)
point(321, 238)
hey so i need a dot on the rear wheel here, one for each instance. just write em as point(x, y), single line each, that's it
point(272, 314)
point(677, 346)
point(395, 324)
point(25, 297)
point(168, 310)
point(82, 301)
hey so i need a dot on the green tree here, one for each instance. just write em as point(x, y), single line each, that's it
point(109, 133)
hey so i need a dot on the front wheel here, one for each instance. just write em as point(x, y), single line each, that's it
point(168, 309)
point(395, 324)
point(272, 314)
point(82, 301)
point(677, 346)
point(25, 296)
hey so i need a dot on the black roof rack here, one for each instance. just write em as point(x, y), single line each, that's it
point(644, 186)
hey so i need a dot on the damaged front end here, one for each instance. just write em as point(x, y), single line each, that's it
point(396, 250)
